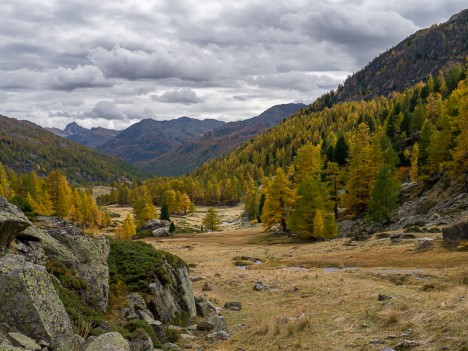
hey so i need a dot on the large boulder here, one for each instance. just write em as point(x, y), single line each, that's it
point(456, 233)
point(29, 302)
point(87, 256)
point(173, 298)
point(12, 223)
point(108, 342)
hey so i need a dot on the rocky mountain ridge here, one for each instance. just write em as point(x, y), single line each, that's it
point(150, 138)
point(93, 137)
point(217, 142)
point(425, 52)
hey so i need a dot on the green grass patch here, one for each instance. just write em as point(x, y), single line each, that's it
point(136, 264)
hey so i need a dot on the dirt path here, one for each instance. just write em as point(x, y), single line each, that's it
point(324, 296)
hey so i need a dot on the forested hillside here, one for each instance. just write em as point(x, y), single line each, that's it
point(352, 157)
point(24, 146)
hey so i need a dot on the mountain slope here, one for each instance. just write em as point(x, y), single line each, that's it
point(425, 52)
point(218, 142)
point(24, 146)
point(148, 138)
point(93, 137)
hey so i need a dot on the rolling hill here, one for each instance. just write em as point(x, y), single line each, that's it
point(25, 146)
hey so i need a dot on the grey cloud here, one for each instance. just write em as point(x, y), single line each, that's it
point(114, 62)
point(182, 96)
point(55, 79)
point(106, 110)
point(163, 63)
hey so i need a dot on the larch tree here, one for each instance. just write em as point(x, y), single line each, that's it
point(384, 197)
point(143, 208)
point(414, 172)
point(128, 229)
point(308, 162)
point(211, 220)
point(312, 210)
point(278, 202)
point(185, 202)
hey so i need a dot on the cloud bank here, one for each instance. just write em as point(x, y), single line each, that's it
point(113, 63)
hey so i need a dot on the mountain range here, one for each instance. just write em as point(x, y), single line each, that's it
point(175, 146)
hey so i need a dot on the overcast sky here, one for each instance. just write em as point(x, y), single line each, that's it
point(112, 63)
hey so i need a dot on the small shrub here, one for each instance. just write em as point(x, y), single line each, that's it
point(137, 263)
point(425, 207)
point(136, 325)
point(413, 230)
point(172, 335)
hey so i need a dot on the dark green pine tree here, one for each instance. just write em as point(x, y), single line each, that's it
point(164, 215)
point(172, 228)
point(384, 197)
point(341, 151)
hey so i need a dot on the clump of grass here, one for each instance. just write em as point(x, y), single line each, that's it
point(137, 263)
point(425, 207)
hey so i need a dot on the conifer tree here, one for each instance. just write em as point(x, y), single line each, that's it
point(211, 220)
point(184, 203)
point(143, 208)
point(413, 173)
point(341, 151)
point(164, 214)
point(128, 229)
point(308, 162)
point(311, 198)
point(384, 198)
point(172, 228)
point(279, 201)
point(5, 189)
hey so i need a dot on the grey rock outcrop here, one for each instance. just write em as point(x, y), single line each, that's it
point(456, 233)
point(12, 223)
point(214, 323)
point(20, 340)
point(63, 242)
point(173, 298)
point(30, 303)
point(204, 307)
point(108, 342)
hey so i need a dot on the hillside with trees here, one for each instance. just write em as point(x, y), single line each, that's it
point(24, 147)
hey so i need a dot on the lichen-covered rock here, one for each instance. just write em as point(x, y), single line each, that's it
point(21, 340)
point(108, 342)
point(214, 323)
point(176, 297)
point(12, 223)
point(204, 307)
point(29, 302)
point(87, 256)
point(141, 341)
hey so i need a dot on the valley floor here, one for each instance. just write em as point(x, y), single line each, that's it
point(325, 296)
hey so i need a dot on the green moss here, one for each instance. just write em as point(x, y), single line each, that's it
point(137, 263)
point(82, 316)
point(70, 289)
point(135, 326)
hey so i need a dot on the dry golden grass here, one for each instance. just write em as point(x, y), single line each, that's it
point(308, 308)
